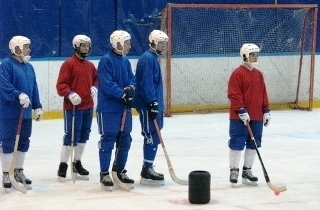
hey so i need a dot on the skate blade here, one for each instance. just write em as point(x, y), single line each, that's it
point(107, 188)
point(131, 186)
point(60, 179)
point(246, 182)
point(152, 182)
point(81, 177)
point(28, 186)
point(7, 190)
point(235, 185)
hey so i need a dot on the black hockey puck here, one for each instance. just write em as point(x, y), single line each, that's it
point(199, 187)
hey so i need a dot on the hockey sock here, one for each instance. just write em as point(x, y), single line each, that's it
point(234, 158)
point(249, 157)
point(65, 153)
point(20, 159)
point(149, 154)
point(78, 151)
point(6, 159)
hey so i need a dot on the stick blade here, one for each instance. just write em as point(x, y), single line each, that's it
point(276, 188)
point(176, 179)
point(16, 185)
point(171, 171)
point(118, 182)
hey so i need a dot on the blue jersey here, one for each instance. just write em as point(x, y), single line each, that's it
point(17, 78)
point(114, 74)
point(149, 82)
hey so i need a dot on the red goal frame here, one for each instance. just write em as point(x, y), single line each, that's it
point(167, 27)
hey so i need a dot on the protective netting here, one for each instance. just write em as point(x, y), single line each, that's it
point(205, 44)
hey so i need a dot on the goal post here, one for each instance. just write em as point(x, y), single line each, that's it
point(205, 41)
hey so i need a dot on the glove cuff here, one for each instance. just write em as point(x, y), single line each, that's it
point(266, 111)
point(69, 93)
point(242, 110)
point(153, 103)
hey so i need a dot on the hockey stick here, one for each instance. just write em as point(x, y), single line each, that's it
point(115, 162)
point(171, 171)
point(274, 188)
point(72, 143)
point(13, 162)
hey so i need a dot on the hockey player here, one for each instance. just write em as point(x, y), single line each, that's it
point(77, 84)
point(148, 101)
point(18, 87)
point(116, 89)
point(249, 104)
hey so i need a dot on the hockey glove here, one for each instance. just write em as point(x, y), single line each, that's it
point(24, 100)
point(94, 91)
point(153, 106)
point(129, 91)
point(74, 98)
point(266, 118)
point(244, 116)
point(128, 96)
point(38, 114)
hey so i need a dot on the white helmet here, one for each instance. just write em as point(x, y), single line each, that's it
point(158, 36)
point(246, 49)
point(19, 41)
point(119, 36)
point(79, 39)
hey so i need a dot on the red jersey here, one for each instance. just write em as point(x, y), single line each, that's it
point(78, 76)
point(246, 89)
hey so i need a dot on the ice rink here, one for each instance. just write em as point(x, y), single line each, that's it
point(290, 152)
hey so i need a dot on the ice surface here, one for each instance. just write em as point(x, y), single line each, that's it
point(290, 152)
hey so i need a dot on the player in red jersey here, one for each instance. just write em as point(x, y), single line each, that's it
point(77, 84)
point(249, 104)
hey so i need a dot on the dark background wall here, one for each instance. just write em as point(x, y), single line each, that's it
point(51, 24)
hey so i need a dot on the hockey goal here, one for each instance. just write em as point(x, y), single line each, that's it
point(205, 40)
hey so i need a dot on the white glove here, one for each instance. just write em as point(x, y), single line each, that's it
point(94, 91)
point(266, 119)
point(38, 114)
point(74, 98)
point(24, 100)
point(244, 116)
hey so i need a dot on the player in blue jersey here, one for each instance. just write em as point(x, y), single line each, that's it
point(148, 101)
point(115, 92)
point(18, 89)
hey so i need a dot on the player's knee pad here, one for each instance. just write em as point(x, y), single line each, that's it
point(26, 129)
point(66, 140)
point(7, 145)
point(250, 143)
point(152, 139)
point(84, 136)
point(83, 141)
point(24, 144)
point(106, 144)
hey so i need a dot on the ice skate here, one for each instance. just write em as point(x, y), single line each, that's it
point(234, 173)
point(248, 178)
point(20, 177)
point(106, 181)
point(79, 171)
point(6, 183)
point(123, 177)
point(62, 172)
point(150, 177)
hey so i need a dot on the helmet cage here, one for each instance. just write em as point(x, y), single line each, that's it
point(78, 40)
point(158, 36)
point(246, 49)
point(119, 36)
point(19, 41)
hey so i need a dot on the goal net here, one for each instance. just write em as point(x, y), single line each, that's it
point(205, 41)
